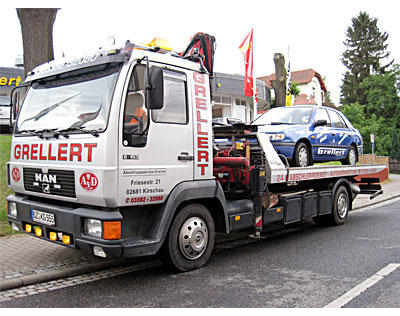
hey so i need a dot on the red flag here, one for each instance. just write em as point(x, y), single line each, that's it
point(247, 49)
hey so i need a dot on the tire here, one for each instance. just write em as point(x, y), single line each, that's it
point(340, 209)
point(341, 206)
point(351, 158)
point(301, 157)
point(190, 240)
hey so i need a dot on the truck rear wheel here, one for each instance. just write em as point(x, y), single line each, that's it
point(340, 209)
point(190, 240)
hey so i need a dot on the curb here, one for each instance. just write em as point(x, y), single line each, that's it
point(97, 266)
point(59, 274)
point(376, 202)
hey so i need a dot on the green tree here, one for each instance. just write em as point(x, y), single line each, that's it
point(294, 89)
point(383, 96)
point(367, 126)
point(366, 50)
point(395, 152)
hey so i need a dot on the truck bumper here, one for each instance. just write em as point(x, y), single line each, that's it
point(70, 221)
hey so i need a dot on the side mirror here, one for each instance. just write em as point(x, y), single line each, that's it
point(320, 123)
point(15, 103)
point(155, 88)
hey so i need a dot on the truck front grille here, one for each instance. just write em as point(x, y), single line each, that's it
point(52, 182)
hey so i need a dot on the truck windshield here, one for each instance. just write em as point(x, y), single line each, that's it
point(285, 115)
point(80, 98)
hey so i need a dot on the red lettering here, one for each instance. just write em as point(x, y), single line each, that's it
point(90, 147)
point(17, 151)
point(199, 119)
point(62, 152)
point(202, 154)
point(202, 167)
point(199, 90)
point(49, 155)
point(25, 151)
point(199, 131)
point(75, 153)
point(34, 152)
point(202, 142)
point(41, 157)
point(201, 104)
point(199, 78)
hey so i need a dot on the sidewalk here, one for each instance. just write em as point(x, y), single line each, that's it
point(26, 260)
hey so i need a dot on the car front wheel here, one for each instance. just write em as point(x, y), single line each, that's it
point(301, 155)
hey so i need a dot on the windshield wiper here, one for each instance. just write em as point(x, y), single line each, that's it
point(78, 126)
point(30, 132)
point(64, 131)
point(43, 133)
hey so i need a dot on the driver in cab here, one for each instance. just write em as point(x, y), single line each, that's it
point(135, 112)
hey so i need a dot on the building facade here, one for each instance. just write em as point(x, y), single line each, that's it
point(229, 101)
point(310, 83)
point(10, 77)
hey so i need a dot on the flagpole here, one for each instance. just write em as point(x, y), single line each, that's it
point(255, 107)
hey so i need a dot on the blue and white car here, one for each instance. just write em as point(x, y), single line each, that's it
point(305, 134)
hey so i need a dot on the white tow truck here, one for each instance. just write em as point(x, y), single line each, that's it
point(115, 153)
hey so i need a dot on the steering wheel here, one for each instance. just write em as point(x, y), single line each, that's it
point(133, 128)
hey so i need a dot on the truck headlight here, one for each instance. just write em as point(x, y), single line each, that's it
point(12, 209)
point(93, 227)
point(278, 136)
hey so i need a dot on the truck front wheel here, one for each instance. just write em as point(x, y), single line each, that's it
point(190, 240)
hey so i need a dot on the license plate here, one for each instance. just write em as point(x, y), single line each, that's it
point(43, 217)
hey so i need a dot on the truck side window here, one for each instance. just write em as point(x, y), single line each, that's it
point(175, 107)
point(135, 112)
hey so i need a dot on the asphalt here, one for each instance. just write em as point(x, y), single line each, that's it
point(26, 260)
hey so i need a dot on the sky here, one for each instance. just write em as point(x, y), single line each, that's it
point(309, 33)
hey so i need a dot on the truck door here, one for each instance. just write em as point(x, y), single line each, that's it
point(157, 147)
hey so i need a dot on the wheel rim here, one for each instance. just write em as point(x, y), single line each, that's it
point(193, 238)
point(342, 205)
point(303, 157)
point(352, 156)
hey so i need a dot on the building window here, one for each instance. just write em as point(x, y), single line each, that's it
point(226, 100)
point(221, 99)
point(216, 99)
point(240, 102)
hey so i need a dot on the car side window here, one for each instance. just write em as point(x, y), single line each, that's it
point(337, 122)
point(343, 121)
point(321, 114)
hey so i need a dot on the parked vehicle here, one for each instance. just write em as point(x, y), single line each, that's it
point(4, 112)
point(305, 134)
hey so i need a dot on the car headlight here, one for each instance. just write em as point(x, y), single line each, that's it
point(93, 227)
point(12, 209)
point(278, 136)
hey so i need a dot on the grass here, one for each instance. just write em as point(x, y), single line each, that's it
point(5, 145)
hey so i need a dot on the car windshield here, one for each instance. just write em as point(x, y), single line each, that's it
point(285, 115)
point(76, 99)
